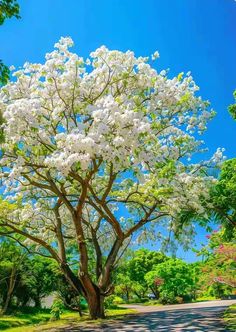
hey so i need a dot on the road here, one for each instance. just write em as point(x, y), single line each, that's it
point(194, 317)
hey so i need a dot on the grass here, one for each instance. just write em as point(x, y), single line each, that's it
point(37, 321)
point(152, 302)
point(230, 317)
point(206, 298)
point(24, 317)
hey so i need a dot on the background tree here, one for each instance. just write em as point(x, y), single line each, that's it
point(175, 279)
point(223, 197)
point(70, 172)
point(232, 107)
point(219, 266)
point(8, 9)
point(24, 277)
point(39, 277)
point(223, 194)
point(123, 285)
point(141, 263)
point(11, 259)
point(4, 73)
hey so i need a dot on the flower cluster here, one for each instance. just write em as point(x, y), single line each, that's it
point(112, 113)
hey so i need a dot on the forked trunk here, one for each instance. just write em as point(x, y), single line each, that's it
point(93, 297)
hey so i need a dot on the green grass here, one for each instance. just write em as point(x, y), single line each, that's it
point(230, 317)
point(152, 302)
point(24, 317)
point(119, 312)
point(206, 298)
point(37, 321)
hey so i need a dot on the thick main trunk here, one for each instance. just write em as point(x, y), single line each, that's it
point(84, 286)
point(96, 306)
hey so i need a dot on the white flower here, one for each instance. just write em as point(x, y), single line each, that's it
point(155, 55)
point(67, 124)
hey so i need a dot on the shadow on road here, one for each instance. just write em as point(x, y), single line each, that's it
point(195, 320)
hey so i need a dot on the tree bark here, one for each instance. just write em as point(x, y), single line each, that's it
point(96, 306)
point(127, 294)
point(11, 287)
point(6, 304)
point(83, 285)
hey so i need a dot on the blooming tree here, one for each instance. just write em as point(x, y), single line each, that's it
point(96, 150)
point(220, 260)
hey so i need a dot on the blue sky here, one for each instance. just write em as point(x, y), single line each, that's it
point(190, 35)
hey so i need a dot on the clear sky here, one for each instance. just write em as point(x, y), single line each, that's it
point(190, 35)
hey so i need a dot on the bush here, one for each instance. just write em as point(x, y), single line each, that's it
point(83, 304)
point(118, 300)
point(187, 298)
point(109, 302)
point(56, 309)
point(112, 302)
point(144, 299)
point(179, 299)
point(167, 298)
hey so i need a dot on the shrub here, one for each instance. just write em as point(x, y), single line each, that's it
point(167, 298)
point(109, 302)
point(179, 299)
point(56, 309)
point(187, 298)
point(83, 304)
point(118, 300)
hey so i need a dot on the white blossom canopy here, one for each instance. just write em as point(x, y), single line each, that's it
point(112, 124)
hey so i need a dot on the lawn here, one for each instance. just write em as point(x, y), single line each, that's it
point(230, 317)
point(37, 321)
point(24, 317)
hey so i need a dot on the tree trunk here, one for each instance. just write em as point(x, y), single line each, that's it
point(127, 294)
point(155, 292)
point(139, 295)
point(10, 290)
point(96, 306)
point(6, 304)
point(88, 290)
point(68, 302)
point(37, 302)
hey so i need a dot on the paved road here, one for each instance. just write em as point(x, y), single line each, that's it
point(196, 317)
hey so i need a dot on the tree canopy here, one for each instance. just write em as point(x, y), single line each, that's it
point(24, 277)
point(174, 277)
point(8, 9)
point(232, 107)
point(96, 150)
point(223, 196)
